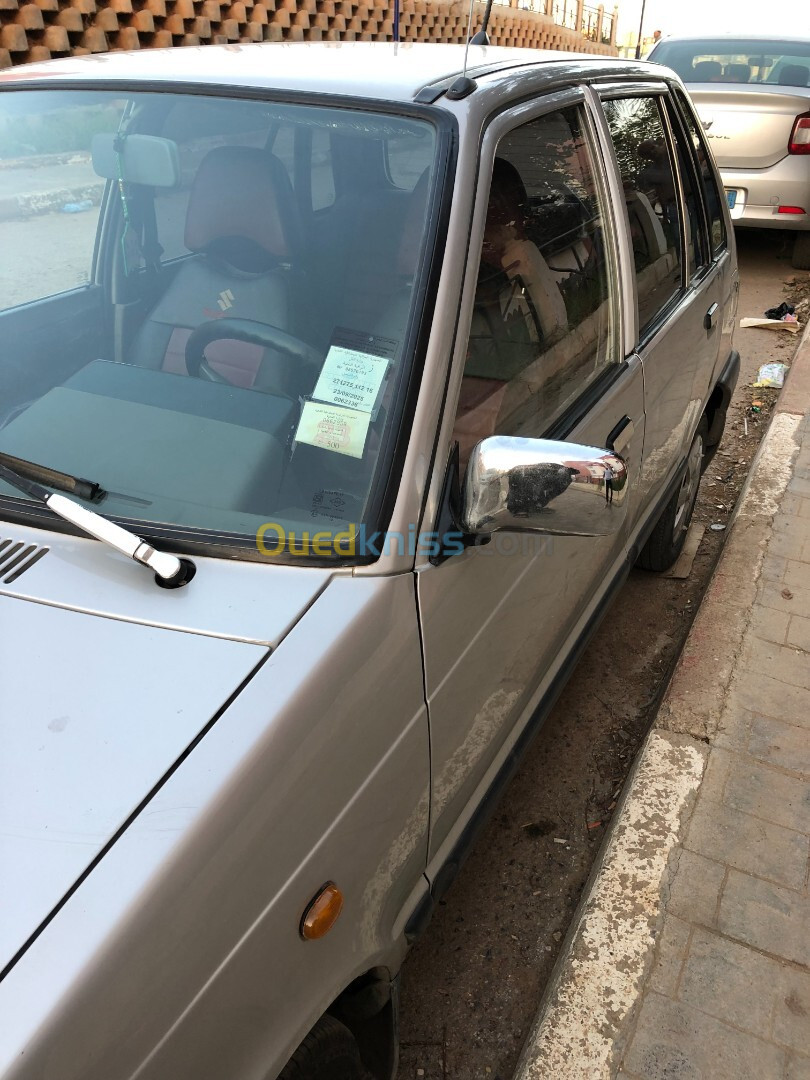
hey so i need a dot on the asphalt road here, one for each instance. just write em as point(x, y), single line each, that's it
point(471, 986)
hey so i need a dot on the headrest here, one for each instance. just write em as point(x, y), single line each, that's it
point(413, 228)
point(507, 198)
point(245, 193)
point(707, 70)
point(794, 75)
point(738, 72)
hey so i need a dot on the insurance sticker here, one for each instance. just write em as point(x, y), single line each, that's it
point(331, 427)
point(354, 370)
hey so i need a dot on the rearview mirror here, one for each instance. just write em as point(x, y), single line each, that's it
point(542, 486)
point(138, 159)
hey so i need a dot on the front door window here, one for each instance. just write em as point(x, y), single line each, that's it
point(542, 327)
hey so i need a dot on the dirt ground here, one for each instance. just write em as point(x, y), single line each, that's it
point(471, 986)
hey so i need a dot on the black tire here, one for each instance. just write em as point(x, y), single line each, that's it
point(800, 259)
point(666, 541)
point(329, 1052)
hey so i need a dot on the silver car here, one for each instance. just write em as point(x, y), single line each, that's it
point(753, 97)
point(340, 388)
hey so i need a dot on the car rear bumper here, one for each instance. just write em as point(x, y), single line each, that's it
point(760, 193)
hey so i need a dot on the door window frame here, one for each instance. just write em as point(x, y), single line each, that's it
point(683, 109)
point(678, 130)
point(606, 176)
point(610, 92)
point(499, 128)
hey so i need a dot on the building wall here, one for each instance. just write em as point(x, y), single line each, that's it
point(41, 29)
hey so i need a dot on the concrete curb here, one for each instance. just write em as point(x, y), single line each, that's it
point(585, 1017)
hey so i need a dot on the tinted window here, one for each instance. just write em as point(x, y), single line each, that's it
point(652, 202)
point(696, 245)
point(711, 193)
point(541, 329)
point(780, 63)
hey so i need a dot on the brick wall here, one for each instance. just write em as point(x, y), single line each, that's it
point(41, 29)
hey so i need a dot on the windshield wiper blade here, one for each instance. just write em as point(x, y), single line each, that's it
point(170, 571)
point(75, 485)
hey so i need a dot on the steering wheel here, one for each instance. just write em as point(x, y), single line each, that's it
point(256, 333)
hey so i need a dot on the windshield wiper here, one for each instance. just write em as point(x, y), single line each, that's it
point(75, 485)
point(170, 571)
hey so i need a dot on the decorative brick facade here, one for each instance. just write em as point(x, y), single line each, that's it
point(42, 29)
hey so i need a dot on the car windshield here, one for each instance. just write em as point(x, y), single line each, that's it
point(749, 61)
point(207, 306)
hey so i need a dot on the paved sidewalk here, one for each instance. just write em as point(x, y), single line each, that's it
point(690, 954)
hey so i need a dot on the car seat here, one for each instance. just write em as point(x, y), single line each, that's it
point(243, 226)
point(738, 73)
point(794, 75)
point(706, 71)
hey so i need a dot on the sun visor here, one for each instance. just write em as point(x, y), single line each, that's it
point(145, 159)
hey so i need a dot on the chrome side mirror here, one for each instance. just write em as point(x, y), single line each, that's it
point(543, 486)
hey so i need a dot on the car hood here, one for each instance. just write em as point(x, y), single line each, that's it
point(98, 704)
point(93, 713)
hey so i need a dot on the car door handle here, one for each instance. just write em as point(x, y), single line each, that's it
point(710, 319)
point(619, 438)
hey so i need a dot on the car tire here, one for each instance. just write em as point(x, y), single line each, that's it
point(666, 541)
point(800, 259)
point(329, 1052)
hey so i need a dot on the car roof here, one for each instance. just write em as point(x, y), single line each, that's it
point(352, 69)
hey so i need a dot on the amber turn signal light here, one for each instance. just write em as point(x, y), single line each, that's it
point(322, 912)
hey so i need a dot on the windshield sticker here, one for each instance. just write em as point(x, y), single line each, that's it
point(354, 370)
point(331, 427)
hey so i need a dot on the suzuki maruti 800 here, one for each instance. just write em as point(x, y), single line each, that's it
point(340, 388)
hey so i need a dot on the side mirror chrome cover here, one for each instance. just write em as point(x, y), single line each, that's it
point(543, 486)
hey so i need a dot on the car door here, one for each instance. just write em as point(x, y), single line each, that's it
point(678, 283)
point(540, 352)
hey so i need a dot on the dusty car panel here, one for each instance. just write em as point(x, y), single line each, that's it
point(418, 273)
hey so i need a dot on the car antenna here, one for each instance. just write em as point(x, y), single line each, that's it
point(462, 86)
point(482, 37)
point(396, 22)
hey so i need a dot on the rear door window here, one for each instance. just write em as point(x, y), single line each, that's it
point(653, 207)
point(712, 196)
point(697, 246)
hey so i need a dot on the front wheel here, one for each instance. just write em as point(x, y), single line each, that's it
point(666, 541)
point(329, 1052)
